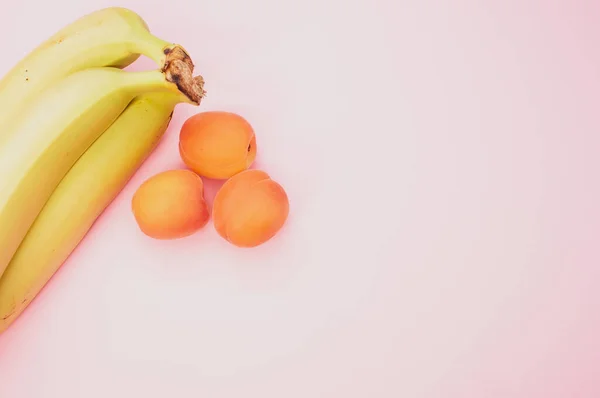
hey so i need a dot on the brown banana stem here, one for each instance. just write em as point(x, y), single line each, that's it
point(176, 52)
point(179, 69)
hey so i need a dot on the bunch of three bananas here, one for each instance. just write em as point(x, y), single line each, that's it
point(74, 128)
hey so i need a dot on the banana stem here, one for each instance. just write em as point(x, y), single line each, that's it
point(177, 78)
point(160, 51)
point(152, 47)
point(179, 72)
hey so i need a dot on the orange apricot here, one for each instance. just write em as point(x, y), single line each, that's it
point(170, 205)
point(250, 208)
point(217, 144)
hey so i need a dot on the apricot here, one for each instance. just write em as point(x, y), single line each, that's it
point(170, 205)
point(217, 144)
point(250, 208)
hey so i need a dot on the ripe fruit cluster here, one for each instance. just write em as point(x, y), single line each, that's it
point(249, 209)
point(76, 127)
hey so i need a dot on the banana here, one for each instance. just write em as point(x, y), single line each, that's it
point(112, 36)
point(80, 198)
point(59, 126)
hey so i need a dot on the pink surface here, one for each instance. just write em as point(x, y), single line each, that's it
point(441, 162)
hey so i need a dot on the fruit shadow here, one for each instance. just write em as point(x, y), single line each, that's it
point(211, 187)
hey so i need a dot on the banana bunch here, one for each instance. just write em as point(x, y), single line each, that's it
point(74, 128)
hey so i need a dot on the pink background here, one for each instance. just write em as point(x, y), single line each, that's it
point(441, 161)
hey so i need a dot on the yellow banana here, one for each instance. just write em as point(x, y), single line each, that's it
point(48, 137)
point(80, 198)
point(112, 36)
